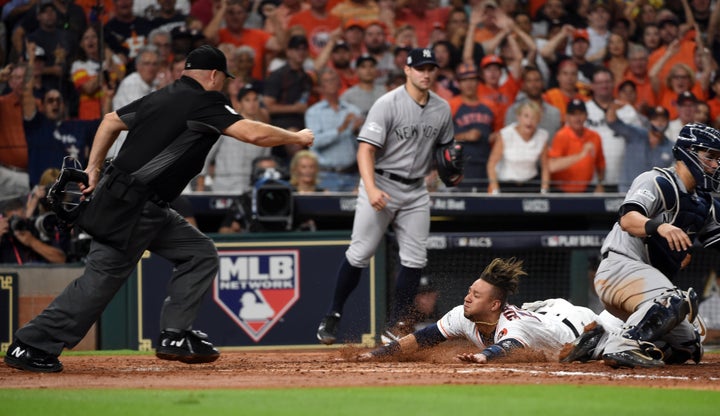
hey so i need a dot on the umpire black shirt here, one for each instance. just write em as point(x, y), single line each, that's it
point(176, 126)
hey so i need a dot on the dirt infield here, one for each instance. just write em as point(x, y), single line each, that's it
point(335, 367)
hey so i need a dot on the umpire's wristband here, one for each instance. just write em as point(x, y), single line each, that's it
point(651, 226)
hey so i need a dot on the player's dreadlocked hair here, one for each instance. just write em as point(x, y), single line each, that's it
point(504, 275)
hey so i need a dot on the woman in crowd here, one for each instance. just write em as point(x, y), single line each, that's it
point(88, 77)
point(518, 161)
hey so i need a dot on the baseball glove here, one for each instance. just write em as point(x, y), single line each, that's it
point(450, 163)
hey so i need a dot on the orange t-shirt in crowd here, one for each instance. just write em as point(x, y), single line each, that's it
point(107, 12)
point(254, 38)
point(577, 177)
point(13, 146)
point(668, 99)
point(558, 99)
point(499, 99)
point(643, 87)
point(686, 55)
point(317, 29)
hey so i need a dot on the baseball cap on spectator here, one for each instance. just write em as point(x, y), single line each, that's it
point(491, 60)
point(247, 89)
point(297, 41)
point(340, 45)
point(44, 4)
point(658, 111)
point(599, 4)
point(352, 22)
point(576, 105)
point(420, 57)
point(490, 3)
point(365, 58)
point(39, 54)
point(467, 71)
point(182, 32)
point(581, 34)
point(669, 20)
point(686, 97)
point(207, 57)
point(399, 49)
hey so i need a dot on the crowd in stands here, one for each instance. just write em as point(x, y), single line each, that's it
point(546, 95)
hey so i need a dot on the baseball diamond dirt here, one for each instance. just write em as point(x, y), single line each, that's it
point(332, 367)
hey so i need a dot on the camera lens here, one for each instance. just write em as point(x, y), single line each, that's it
point(273, 202)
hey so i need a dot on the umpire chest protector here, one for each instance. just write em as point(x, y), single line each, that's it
point(681, 209)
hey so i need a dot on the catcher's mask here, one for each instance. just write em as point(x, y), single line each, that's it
point(65, 197)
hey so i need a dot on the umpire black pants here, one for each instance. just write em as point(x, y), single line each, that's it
point(160, 230)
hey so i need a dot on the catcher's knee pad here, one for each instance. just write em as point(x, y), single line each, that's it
point(664, 314)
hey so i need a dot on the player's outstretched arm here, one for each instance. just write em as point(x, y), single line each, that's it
point(495, 351)
point(421, 339)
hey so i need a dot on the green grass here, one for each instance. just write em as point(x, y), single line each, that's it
point(481, 400)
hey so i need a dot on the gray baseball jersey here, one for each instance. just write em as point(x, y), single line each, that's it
point(405, 135)
point(635, 270)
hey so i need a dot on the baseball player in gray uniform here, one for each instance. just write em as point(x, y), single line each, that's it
point(665, 211)
point(395, 152)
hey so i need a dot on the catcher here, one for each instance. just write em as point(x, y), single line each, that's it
point(498, 328)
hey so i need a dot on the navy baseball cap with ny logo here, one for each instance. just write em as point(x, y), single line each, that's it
point(207, 57)
point(421, 56)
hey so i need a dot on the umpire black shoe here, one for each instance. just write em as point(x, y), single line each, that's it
point(631, 359)
point(25, 357)
point(190, 347)
point(327, 331)
point(584, 346)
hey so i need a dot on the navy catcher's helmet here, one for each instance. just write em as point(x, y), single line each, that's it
point(696, 137)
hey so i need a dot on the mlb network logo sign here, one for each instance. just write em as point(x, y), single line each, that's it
point(256, 288)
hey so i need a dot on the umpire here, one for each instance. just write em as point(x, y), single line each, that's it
point(171, 132)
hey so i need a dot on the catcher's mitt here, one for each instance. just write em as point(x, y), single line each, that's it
point(450, 163)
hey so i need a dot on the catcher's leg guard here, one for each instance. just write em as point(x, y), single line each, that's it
point(662, 315)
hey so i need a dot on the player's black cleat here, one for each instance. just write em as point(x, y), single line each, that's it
point(631, 359)
point(327, 331)
point(583, 348)
point(24, 357)
point(190, 347)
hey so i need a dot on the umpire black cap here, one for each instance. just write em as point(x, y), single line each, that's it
point(208, 57)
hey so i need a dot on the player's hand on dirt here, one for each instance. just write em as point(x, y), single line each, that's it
point(307, 137)
point(366, 356)
point(677, 239)
point(472, 358)
point(378, 198)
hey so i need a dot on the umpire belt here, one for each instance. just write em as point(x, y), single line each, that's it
point(397, 178)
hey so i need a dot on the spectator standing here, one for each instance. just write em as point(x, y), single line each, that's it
point(134, 86)
point(364, 94)
point(338, 53)
point(686, 103)
point(167, 17)
point(646, 148)
point(532, 90)
point(336, 125)
point(318, 24)
point(603, 87)
point(598, 30)
point(473, 124)
point(498, 97)
point(518, 161)
point(58, 45)
point(14, 179)
point(576, 154)
point(125, 34)
point(69, 18)
point(287, 93)
point(375, 40)
point(424, 18)
point(637, 72)
point(231, 160)
point(89, 72)
point(234, 14)
point(567, 90)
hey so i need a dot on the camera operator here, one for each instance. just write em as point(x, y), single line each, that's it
point(20, 241)
point(240, 217)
